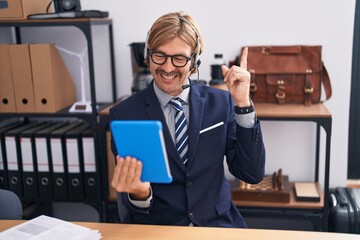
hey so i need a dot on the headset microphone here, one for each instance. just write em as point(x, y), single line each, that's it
point(190, 84)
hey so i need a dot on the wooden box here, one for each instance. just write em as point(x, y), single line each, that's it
point(20, 9)
point(263, 191)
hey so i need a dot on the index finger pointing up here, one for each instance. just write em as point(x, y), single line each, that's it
point(243, 59)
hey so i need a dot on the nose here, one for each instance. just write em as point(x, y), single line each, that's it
point(168, 66)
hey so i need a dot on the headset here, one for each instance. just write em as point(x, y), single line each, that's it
point(197, 60)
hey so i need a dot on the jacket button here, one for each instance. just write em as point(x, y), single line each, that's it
point(189, 184)
point(190, 215)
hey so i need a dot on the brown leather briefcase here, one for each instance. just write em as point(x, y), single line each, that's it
point(287, 74)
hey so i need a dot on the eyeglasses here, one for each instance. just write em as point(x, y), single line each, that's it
point(161, 58)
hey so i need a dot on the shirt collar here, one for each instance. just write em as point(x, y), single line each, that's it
point(165, 98)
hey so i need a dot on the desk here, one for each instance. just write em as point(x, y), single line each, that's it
point(319, 114)
point(112, 231)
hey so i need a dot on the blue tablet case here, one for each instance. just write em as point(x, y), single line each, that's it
point(143, 139)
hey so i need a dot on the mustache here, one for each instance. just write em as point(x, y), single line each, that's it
point(172, 73)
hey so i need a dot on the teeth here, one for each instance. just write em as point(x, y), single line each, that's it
point(168, 76)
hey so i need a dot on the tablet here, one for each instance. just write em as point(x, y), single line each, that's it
point(143, 139)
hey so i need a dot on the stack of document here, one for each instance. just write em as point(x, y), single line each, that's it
point(44, 227)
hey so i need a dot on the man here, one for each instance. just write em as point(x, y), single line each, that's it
point(211, 128)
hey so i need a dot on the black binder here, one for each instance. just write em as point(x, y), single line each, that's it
point(43, 161)
point(29, 166)
point(74, 161)
point(91, 167)
point(14, 161)
point(58, 160)
point(3, 165)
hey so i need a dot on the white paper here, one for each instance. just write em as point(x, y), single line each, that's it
point(44, 228)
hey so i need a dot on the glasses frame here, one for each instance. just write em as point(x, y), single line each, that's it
point(151, 53)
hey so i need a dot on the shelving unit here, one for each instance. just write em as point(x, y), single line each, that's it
point(308, 215)
point(86, 26)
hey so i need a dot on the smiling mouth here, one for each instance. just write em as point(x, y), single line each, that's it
point(168, 76)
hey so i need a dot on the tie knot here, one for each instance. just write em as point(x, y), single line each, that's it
point(176, 103)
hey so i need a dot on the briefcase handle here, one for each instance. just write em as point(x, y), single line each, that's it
point(281, 50)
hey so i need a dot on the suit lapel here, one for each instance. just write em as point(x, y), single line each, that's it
point(196, 115)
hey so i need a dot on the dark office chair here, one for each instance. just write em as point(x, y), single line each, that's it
point(10, 205)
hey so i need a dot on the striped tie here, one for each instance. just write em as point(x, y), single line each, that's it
point(181, 130)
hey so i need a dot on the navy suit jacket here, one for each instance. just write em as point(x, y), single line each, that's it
point(200, 193)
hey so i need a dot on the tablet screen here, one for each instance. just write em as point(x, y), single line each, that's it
point(143, 139)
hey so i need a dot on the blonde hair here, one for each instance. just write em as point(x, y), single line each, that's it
point(172, 25)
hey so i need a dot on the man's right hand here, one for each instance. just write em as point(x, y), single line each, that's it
point(126, 178)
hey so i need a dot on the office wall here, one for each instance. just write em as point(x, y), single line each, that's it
point(229, 24)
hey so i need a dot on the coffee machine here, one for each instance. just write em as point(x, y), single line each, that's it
point(141, 72)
